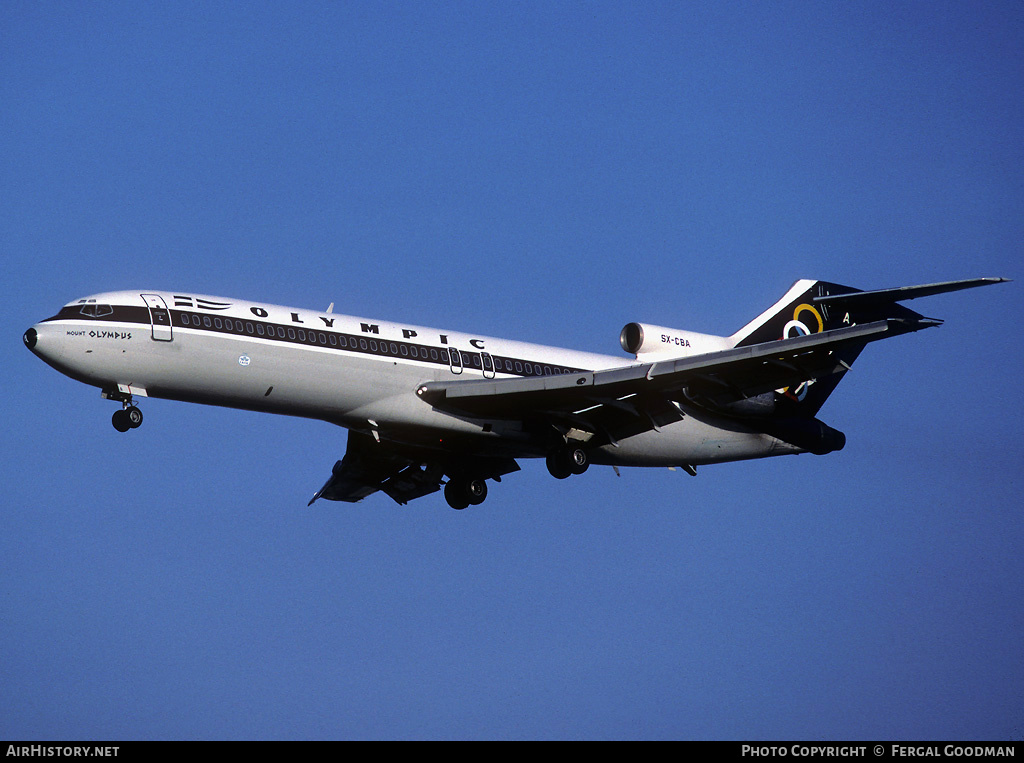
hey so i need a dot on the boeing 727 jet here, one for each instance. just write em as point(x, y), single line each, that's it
point(427, 408)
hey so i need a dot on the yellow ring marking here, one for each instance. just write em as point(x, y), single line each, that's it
point(817, 316)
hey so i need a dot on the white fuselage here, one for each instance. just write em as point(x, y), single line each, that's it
point(354, 372)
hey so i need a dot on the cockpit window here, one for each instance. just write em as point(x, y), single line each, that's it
point(96, 311)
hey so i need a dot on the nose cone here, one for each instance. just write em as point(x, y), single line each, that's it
point(49, 342)
point(44, 343)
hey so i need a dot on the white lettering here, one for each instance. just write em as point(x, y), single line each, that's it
point(38, 750)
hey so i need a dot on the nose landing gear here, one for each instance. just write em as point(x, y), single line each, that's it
point(129, 417)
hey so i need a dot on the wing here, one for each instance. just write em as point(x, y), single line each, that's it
point(369, 466)
point(404, 473)
point(622, 401)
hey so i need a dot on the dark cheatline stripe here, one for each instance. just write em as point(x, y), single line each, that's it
point(323, 338)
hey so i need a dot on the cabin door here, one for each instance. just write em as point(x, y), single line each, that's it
point(159, 317)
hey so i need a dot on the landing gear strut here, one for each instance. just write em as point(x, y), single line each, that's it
point(129, 417)
point(461, 492)
point(566, 460)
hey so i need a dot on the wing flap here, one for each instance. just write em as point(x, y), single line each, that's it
point(369, 466)
point(402, 472)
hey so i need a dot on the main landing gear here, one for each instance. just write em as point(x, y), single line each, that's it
point(461, 492)
point(129, 417)
point(566, 460)
point(563, 461)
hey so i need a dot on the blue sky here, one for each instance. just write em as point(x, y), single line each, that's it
point(547, 172)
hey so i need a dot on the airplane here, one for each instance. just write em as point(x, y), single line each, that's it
point(427, 408)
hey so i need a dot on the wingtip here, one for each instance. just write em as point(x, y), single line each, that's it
point(990, 281)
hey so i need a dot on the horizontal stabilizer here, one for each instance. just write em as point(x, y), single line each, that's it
point(902, 293)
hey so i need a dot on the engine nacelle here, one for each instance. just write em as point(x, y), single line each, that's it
point(643, 339)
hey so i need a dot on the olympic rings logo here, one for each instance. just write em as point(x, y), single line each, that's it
point(799, 327)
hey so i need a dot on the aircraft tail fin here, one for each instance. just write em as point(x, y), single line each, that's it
point(810, 307)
